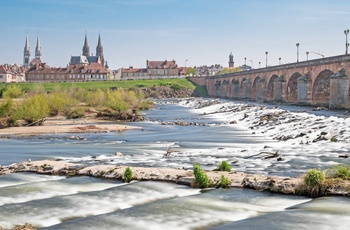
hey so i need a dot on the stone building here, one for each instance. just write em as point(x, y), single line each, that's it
point(78, 72)
point(153, 70)
point(12, 73)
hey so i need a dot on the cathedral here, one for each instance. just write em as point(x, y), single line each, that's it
point(26, 53)
point(87, 58)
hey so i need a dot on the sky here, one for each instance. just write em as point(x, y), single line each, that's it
point(203, 32)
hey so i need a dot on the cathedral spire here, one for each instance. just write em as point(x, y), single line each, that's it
point(38, 53)
point(26, 52)
point(86, 49)
point(99, 50)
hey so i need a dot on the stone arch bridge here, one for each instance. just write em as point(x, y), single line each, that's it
point(322, 82)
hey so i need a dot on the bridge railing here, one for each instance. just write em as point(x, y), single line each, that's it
point(314, 62)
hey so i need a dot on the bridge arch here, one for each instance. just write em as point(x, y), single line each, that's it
point(235, 88)
point(246, 88)
point(321, 88)
point(292, 87)
point(270, 88)
point(217, 88)
point(254, 86)
point(224, 90)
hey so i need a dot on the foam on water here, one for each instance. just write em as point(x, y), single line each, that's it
point(50, 188)
point(199, 211)
point(46, 212)
point(24, 178)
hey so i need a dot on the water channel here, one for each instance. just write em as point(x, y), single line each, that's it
point(53, 202)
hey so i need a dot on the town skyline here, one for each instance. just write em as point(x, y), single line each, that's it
point(202, 32)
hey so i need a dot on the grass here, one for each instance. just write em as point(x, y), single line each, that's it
point(28, 87)
point(224, 166)
point(224, 182)
point(200, 91)
point(341, 171)
point(313, 183)
point(201, 180)
point(119, 104)
point(127, 175)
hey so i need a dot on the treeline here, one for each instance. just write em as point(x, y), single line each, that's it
point(19, 108)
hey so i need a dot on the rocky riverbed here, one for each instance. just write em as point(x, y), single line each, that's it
point(276, 184)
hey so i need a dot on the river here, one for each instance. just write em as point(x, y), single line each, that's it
point(53, 202)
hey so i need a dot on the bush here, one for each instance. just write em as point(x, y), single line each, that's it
point(201, 180)
point(175, 87)
point(224, 182)
point(314, 183)
point(74, 113)
point(127, 176)
point(56, 103)
point(5, 108)
point(339, 171)
point(314, 177)
point(224, 166)
point(12, 91)
point(33, 109)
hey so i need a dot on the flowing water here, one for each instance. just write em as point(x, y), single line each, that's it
point(53, 202)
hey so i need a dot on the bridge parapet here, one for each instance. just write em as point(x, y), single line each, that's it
point(307, 82)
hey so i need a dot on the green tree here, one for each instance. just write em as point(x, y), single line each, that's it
point(230, 70)
point(191, 72)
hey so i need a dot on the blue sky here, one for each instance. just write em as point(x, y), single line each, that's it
point(202, 31)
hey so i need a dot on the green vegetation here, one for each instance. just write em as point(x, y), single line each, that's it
point(230, 70)
point(201, 179)
point(224, 182)
point(339, 171)
point(127, 175)
point(12, 91)
point(191, 72)
point(314, 183)
point(200, 91)
point(224, 166)
point(120, 104)
point(314, 177)
point(56, 86)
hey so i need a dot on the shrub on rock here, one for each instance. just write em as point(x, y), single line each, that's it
point(201, 179)
point(127, 176)
point(224, 166)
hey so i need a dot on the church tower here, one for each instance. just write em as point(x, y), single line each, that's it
point(99, 51)
point(86, 49)
point(26, 53)
point(231, 63)
point(38, 54)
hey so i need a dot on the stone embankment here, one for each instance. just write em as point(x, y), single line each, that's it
point(276, 184)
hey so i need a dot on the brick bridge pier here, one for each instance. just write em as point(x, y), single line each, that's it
point(322, 82)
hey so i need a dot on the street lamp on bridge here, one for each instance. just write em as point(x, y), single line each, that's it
point(279, 60)
point(307, 55)
point(259, 64)
point(266, 57)
point(297, 52)
point(346, 32)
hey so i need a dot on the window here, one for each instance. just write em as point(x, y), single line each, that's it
point(1, 76)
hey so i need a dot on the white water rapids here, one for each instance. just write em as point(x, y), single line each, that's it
point(220, 130)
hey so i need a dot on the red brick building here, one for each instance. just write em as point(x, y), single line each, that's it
point(80, 72)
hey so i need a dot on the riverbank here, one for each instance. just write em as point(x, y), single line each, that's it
point(59, 124)
point(275, 184)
